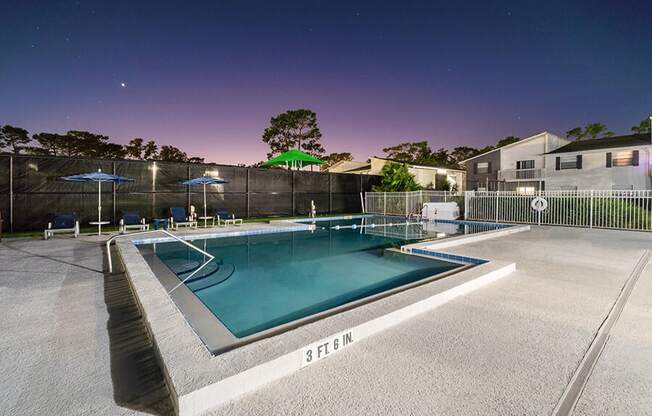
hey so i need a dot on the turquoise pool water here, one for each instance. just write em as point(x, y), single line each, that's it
point(259, 282)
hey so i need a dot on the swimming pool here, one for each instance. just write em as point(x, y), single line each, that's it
point(259, 283)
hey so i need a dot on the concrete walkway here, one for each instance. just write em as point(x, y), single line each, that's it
point(73, 343)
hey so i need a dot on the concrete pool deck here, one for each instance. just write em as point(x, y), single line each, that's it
point(508, 348)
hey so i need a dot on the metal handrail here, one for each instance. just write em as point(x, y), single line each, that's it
point(115, 237)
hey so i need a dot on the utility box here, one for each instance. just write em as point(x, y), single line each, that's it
point(440, 211)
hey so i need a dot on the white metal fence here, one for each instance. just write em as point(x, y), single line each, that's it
point(406, 203)
point(625, 210)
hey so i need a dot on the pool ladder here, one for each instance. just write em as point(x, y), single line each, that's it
point(169, 234)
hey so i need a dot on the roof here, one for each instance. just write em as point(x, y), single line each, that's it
point(606, 143)
point(527, 139)
point(347, 165)
point(416, 165)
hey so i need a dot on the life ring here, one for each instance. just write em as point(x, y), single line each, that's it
point(539, 204)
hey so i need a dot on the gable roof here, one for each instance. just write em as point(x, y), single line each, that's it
point(605, 143)
point(527, 139)
point(414, 165)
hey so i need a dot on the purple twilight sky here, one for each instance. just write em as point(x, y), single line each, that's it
point(207, 76)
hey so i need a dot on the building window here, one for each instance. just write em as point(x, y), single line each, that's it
point(525, 190)
point(568, 188)
point(525, 164)
point(628, 158)
point(482, 167)
point(568, 162)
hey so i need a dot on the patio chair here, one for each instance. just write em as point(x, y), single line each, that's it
point(62, 223)
point(224, 218)
point(178, 219)
point(131, 220)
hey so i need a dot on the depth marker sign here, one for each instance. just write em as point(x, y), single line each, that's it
point(322, 349)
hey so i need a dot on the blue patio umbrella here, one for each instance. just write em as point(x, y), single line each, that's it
point(204, 180)
point(98, 177)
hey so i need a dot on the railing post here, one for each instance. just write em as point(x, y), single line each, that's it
point(497, 203)
point(384, 203)
point(591, 210)
point(466, 204)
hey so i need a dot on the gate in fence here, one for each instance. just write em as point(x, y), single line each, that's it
point(624, 210)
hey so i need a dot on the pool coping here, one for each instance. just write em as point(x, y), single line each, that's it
point(200, 381)
point(219, 339)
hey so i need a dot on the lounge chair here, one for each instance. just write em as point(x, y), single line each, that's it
point(62, 223)
point(178, 219)
point(224, 218)
point(131, 220)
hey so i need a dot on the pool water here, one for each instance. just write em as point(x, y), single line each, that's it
point(259, 282)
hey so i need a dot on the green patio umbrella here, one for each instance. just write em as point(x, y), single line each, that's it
point(294, 159)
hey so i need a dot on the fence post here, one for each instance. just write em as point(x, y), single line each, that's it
point(11, 194)
point(591, 210)
point(406, 204)
point(247, 193)
point(114, 196)
point(466, 204)
point(445, 193)
point(385, 203)
point(330, 193)
point(497, 192)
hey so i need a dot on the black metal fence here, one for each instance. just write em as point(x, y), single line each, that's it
point(31, 190)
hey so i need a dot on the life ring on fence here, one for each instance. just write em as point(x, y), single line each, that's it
point(539, 204)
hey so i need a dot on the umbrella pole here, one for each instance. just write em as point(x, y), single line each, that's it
point(204, 205)
point(99, 208)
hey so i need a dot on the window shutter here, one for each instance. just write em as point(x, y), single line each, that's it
point(489, 167)
point(578, 164)
point(475, 168)
point(557, 163)
point(635, 158)
point(608, 159)
point(518, 164)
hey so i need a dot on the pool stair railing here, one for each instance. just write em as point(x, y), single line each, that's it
point(169, 234)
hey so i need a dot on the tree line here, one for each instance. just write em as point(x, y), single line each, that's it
point(76, 143)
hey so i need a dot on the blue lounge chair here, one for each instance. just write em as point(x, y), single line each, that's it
point(178, 218)
point(224, 218)
point(63, 223)
point(131, 220)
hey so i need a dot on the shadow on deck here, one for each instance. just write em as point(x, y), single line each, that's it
point(138, 382)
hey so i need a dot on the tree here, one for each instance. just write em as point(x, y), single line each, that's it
point(594, 130)
point(643, 127)
point(333, 158)
point(396, 178)
point(134, 149)
point(50, 144)
point(507, 141)
point(410, 152)
point(591, 131)
point(13, 138)
point(441, 183)
point(172, 154)
point(150, 150)
point(196, 159)
point(462, 153)
point(294, 129)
